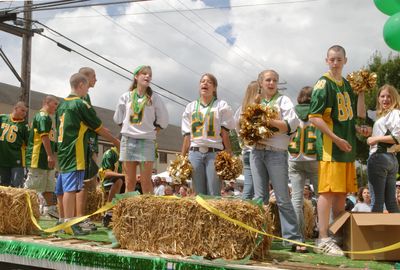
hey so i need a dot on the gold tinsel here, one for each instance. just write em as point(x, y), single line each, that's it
point(362, 80)
point(254, 123)
point(180, 169)
point(228, 167)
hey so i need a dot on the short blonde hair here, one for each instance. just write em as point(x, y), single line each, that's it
point(76, 79)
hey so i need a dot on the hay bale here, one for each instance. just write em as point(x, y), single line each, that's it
point(182, 226)
point(272, 213)
point(95, 199)
point(14, 211)
point(309, 219)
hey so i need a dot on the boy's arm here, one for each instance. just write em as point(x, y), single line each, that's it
point(323, 127)
point(361, 111)
point(51, 160)
point(110, 173)
point(226, 141)
point(102, 131)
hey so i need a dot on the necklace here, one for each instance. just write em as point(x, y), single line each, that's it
point(137, 106)
point(208, 110)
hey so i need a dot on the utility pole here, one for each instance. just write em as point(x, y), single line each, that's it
point(26, 55)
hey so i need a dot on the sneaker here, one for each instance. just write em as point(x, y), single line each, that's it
point(106, 220)
point(328, 246)
point(87, 225)
point(52, 212)
point(76, 230)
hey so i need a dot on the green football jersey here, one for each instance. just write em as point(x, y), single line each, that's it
point(13, 140)
point(36, 155)
point(91, 136)
point(110, 161)
point(335, 103)
point(73, 118)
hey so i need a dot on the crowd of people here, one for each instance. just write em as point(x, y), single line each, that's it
point(313, 142)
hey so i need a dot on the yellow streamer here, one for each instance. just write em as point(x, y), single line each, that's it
point(209, 208)
point(215, 211)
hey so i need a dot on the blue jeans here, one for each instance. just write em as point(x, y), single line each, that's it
point(14, 177)
point(382, 169)
point(299, 171)
point(269, 165)
point(248, 188)
point(205, 179)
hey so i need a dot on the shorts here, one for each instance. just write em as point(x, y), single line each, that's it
point(137, 149)
point(41, 180)
point(108, 182)
point(69, 182)
point(336, 177)
point(12, 176)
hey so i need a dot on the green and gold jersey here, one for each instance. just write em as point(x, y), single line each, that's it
point(91, 136)
point(110, 161)
point(13, 140)
point(36, 155)
point(335, 103)
point(73, 118)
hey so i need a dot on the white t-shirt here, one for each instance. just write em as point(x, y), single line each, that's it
point(388, 123)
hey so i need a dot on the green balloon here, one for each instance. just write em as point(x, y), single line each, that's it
point(389, 7)
point(391, 32)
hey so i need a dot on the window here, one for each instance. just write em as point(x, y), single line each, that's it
point(163, 157)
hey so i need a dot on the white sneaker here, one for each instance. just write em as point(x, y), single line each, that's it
point(328, 246)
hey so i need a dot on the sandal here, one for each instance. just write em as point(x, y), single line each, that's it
point(299, 249)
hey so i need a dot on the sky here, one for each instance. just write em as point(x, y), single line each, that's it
point(183, 39)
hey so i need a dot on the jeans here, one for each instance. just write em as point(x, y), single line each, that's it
point(299, 171)
point(248, 188)
point(269, 165)
point(205, 179)
point(382, 169)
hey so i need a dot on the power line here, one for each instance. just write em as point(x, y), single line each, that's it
point(104, 66)
point(213, 29)
point(159, 50)
point(198, 43)
point(195, 9)
point(105, 59)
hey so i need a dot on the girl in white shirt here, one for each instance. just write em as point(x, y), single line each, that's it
point(142, 114)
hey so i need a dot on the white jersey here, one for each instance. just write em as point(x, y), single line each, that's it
point(205, 128)
point(286, 113)
point(141, 126)
point(387, 125)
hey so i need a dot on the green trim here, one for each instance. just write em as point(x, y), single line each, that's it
point(99, 259)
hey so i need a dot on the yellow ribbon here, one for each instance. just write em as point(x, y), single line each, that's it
point(215, 211)
point(67, 225)
point(209, 208)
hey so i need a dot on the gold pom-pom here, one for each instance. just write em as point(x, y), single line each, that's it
point(228, 167)
point(180, 169)
point(362, 80)
point(254, 123)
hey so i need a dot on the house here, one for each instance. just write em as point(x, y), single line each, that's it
point(169, 140)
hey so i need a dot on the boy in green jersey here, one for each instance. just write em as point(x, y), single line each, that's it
point(333, 110)
point(40, 158)
point(74, 116)
point(13, 140)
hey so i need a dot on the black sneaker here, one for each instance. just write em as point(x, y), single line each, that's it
point(106, 220)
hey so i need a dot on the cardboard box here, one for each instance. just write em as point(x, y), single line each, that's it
point(367, 231)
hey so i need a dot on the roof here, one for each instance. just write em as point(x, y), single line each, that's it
point(169, 139)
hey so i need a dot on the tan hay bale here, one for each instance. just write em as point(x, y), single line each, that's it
point(14, 211)
point(309, 219)
point(182, 226)
point(272, 213)
point(95, 200)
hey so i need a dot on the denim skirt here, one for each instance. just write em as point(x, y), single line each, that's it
point(137, 149)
